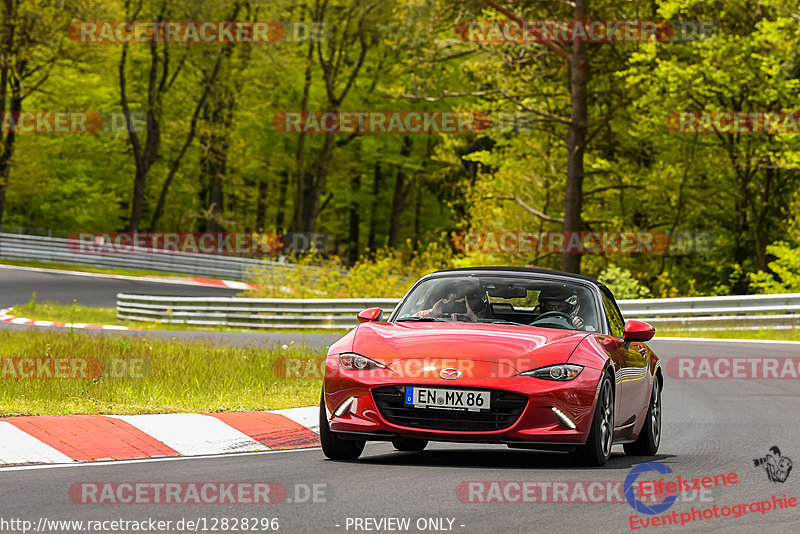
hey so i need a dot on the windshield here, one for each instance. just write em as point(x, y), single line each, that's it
point(502, 299)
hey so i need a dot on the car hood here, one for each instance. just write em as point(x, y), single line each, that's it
point(478, 350)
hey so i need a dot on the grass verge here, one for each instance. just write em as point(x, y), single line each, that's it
point(792, 334)
point(75, 313)
point(141, 375)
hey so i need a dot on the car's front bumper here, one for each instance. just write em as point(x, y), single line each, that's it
point(538, 423)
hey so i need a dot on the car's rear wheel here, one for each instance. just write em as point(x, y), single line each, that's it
point(597, 449)
point(409, 444)
point(650, 437)
point(333, 446)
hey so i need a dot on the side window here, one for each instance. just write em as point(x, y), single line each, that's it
point(614, 318)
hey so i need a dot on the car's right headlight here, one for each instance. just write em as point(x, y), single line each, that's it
point(561, 372)
point(357, 362)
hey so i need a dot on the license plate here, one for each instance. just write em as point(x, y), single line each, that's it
point(447, 399)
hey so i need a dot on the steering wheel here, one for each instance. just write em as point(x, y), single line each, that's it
point(567, 317)
point(463, 317)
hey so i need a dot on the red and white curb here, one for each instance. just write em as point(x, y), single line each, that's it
point(6, 317)
point(88, 438)
point(232, 284)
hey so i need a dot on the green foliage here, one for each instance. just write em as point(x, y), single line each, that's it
point(408, 190)
point(386, 273)
point(785, 271)
point(622, 283)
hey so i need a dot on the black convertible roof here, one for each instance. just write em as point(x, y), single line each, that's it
point(531, 270)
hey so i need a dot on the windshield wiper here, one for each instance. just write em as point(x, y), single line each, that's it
point(419, 319)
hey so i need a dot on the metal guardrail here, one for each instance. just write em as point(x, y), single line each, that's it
point(740, 312)
point(325, 314)
point(700, 313)
point(53, 249)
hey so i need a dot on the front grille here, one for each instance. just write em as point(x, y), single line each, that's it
point(505, 410)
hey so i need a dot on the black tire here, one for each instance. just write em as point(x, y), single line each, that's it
point(597, 449)
point(333, 446)
point(650, 437)
point(409, 444)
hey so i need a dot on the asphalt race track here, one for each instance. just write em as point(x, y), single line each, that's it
point(17, 285)
point(710, 427)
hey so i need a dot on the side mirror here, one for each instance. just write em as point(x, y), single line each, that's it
point(371, 314)
point(637, 331)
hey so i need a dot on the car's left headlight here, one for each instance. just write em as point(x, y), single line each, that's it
point(561, 372)
point(357, 362)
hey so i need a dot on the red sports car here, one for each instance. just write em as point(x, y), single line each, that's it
point(525, 357)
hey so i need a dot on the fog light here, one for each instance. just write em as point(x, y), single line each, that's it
point(563, 417)
point(345, 406)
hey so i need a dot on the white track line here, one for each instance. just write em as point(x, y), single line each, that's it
point(114, 463)
point(193, 434)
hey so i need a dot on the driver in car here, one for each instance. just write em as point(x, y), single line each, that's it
point(472, 305)
point(557, 299)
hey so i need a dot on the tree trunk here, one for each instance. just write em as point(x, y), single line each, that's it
point(313, 190)
point(576, 141)
point(214, 169)
point(355, 220)
point(309, 209)
point(137, 197)
point(144, 156)
point(7, 150)
point(261, 205)
point(399, 197)
point(7, 79)
point(373, 215)
point(283, 191)
point(217, 169)
point(417, 216)
point(760, 231)
point(4, 174)
point(300, 191)
point(398, 203)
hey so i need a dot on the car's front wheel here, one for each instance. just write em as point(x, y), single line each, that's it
point(333, 446)
point(598, 446)
point(650, 437)
point(409, 444)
